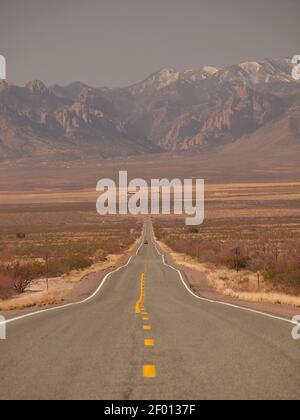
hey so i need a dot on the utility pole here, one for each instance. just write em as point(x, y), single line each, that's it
point(47, 256)
point(237, 256)
point(47, 270)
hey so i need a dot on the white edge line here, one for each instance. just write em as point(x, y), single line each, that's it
point(216, 301)
point(31, 314)
point(9, 321)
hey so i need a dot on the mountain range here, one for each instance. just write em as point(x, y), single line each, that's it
point(246, 107)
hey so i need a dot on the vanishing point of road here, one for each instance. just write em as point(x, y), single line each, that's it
point(144, 336)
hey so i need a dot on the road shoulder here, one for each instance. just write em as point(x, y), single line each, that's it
point(80, 290)
point(199, 284)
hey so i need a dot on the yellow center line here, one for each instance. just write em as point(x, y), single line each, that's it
point(149, 371)
point(140, 303)
point(149, 342)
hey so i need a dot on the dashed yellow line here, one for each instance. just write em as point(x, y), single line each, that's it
point(149, 371)
point(149, 342)
point(140, 303)
point(147, 328)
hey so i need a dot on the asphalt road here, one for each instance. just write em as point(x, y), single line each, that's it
point(178, 347)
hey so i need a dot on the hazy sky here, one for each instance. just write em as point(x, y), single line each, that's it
point(119, 42)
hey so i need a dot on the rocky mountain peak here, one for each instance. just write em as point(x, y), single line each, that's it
point(267, 71)
point(37, 87)
point(201, 73)
point(170, 110)
point(156, 82)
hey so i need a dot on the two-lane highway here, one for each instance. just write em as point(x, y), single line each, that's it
point(144, 336)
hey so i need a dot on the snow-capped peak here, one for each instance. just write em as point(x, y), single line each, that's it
point(200, 74)
point(250, 66)
point(156, 81)
point(267, 71)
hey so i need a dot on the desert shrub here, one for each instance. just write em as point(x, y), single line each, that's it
point(6, 254)
point(114, 246)
point(193, 230)
point(57, 267)
point(60, 266)
point(24, 274)
point(100, 255)
point(6, 283)
point(283, 277)
point(77, 262)
point(66, 246)
point(239, 263)
point(20, 235)
point(33, 269)
point(275, 254)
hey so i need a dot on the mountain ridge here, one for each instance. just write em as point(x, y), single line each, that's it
point(170, 110)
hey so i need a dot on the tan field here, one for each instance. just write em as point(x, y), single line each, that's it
point(55, 208)
point(249, 244)
point(64, 241)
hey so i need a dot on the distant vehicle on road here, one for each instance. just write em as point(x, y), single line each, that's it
point(146, 243)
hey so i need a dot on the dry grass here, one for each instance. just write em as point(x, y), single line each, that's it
point(28, 301)
point(261, 221)
point(72, 237)
point(229, 282)
point(111, 262)
point(36, 295)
